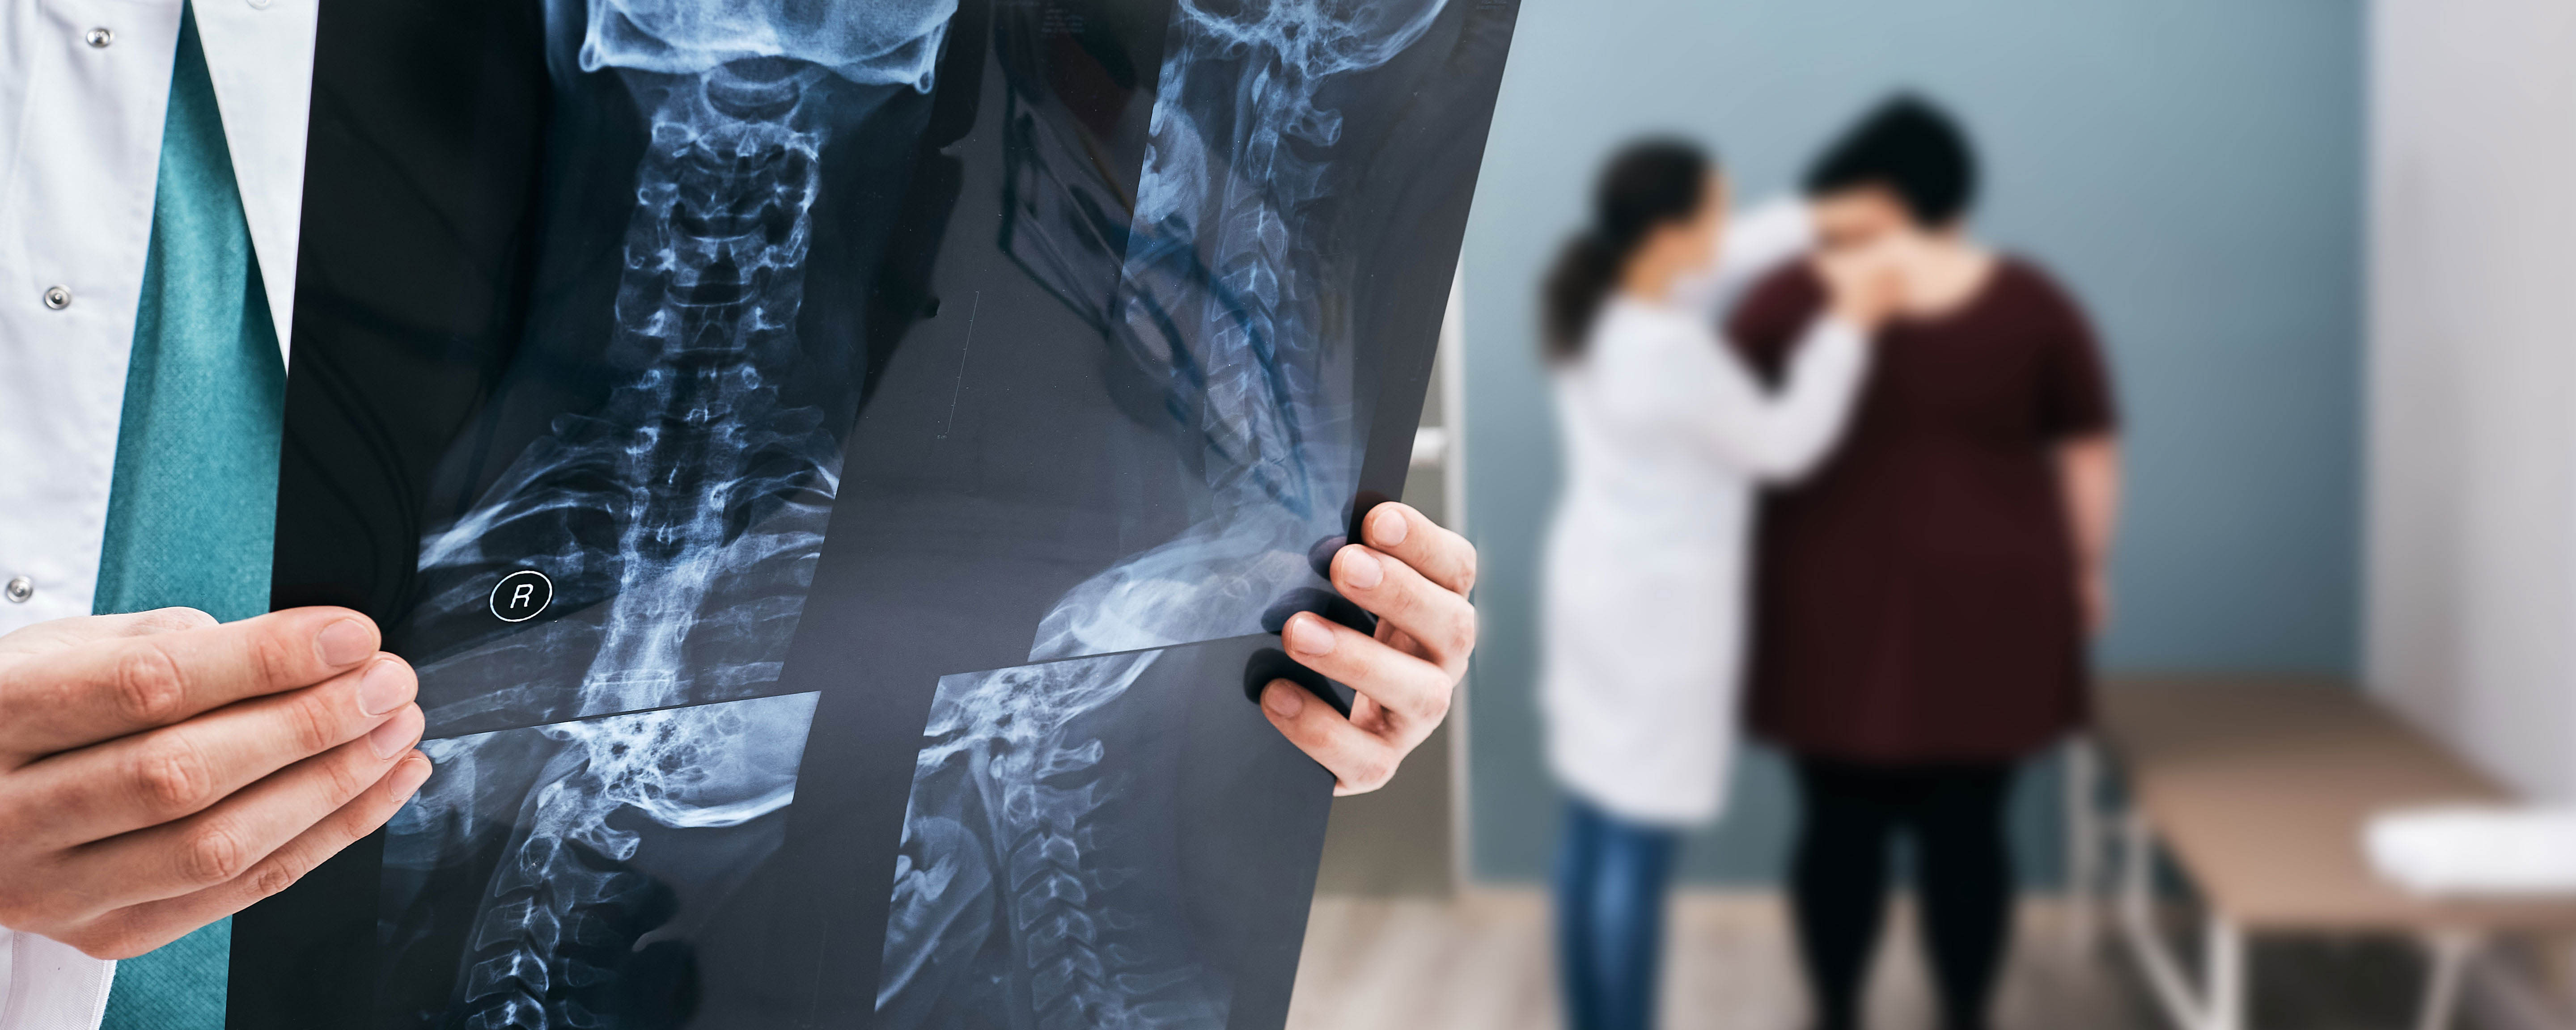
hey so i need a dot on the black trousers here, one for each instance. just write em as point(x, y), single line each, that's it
point(1954, 817)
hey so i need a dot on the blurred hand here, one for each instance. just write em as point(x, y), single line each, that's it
point(159, 772)
point(1865, 283)
point(1414, 576)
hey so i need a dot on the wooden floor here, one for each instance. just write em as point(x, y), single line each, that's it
point(1482, 962)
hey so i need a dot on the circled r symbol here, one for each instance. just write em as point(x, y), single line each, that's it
point(521, 595)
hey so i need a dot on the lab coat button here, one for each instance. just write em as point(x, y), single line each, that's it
point(261, 5)
point(20, 589)
point(57, 297)
point(99, 38)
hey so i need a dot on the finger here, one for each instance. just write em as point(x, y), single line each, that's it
point(56, 634)
point(230, 838)
point(158, 620)
point(1408, 536)
point(1360, 761)
point(1414, 692)
point(111, 687)
point(173, 772)
point(1440, 619)
point(135, 929)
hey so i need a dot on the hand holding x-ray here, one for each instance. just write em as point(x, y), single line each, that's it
point(159, 772)
point(1414, 576)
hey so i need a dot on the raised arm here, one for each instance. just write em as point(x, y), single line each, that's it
point(1781, 436)
point(1684, 386)
point(1756, 240)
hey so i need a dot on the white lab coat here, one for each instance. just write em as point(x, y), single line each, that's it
point(1667, 437)
point(81, 113)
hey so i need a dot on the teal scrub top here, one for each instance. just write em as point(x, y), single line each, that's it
point(191, 517)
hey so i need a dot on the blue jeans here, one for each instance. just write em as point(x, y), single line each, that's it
point(1610, 884)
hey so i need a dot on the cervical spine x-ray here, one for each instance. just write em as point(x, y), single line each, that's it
point(1009, 907)
point(899, 427)
point(601, 842)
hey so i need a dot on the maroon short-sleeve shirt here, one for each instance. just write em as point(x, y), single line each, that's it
point(1915, 599)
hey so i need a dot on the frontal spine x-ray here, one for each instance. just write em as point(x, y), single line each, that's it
point(693, 480)
point(1007, 909)
point(693, 493)
point(578, 927)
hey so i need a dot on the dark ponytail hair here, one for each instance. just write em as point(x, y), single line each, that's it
point(1647, 184)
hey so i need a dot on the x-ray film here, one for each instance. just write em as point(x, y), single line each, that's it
point(1057, 866)
point(582, 873)
point(839, 470)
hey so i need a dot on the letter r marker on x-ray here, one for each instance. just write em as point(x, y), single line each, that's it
point(520, 595)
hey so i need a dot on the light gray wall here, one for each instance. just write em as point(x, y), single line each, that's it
point(2190, 167)
point(2473, 385)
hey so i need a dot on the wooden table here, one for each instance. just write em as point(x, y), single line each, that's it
point(2259, 790)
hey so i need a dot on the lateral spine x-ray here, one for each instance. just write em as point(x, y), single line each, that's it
point(1008, 883)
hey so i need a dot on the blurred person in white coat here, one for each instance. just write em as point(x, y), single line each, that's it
point(1668, 437)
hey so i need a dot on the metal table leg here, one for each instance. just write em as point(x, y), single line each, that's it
point(2449, 953)
point(2084, 833)
point(2222, 1003)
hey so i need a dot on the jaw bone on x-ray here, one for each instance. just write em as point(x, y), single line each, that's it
point(740, 376)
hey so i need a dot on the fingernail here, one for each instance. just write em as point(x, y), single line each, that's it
point(1307, 635)
point(1360, 569)
point(408, 778)
point(391, 738)
point(1389, 527)
point(384, 689)
point(1284, 699)
point(345, 642)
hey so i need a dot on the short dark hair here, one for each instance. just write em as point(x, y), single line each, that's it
point(1909, 146)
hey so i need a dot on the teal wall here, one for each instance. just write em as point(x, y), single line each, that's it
point(2190, 167)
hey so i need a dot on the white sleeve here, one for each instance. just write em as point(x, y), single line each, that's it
point(1756, 240)
point(1697, 389)
point(48, 985)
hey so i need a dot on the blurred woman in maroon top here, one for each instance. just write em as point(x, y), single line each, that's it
point(1922, 601)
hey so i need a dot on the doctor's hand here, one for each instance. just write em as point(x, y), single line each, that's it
point(1864, 284)
point(159, 771)
point(1414, 576)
